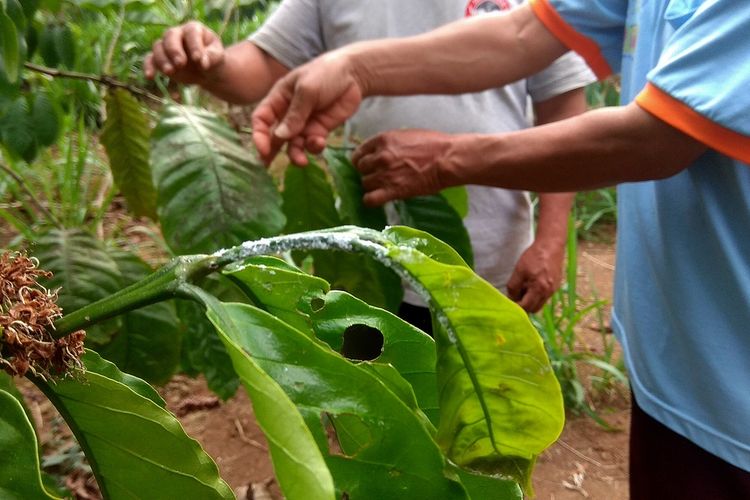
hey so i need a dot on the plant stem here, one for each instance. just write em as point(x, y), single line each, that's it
point(161, 285)
point(176, 279)
point(100, 79)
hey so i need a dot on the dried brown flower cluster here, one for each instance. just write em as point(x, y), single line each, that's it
point(27, 313)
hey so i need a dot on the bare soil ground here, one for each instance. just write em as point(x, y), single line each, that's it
point(588, 461)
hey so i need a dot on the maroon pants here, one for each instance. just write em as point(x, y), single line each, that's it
point(666, 466)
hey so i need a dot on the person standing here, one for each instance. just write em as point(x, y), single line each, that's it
point(679, 147)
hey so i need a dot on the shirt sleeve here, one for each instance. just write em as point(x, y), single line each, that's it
point(292, 34)
point(567, 73)
point(595, 29)
point(701, 84)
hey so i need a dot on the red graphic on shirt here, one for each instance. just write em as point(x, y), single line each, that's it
point(475, 7)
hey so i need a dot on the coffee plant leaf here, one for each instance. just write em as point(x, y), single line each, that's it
point(325, 386)
point(16, 128)
point(458, 198)
point(279, 288)
point(210, 194)
point(83, 272)
point(308, 201)
point(494, 376)
point(126, 435)
point(147, 344)
point(202, 352)
point(47, 46)
point(126, 139)
point(433, 214)
point(65, 45)
point(22, 476)
point(10, 62)
point(360, 331)
point(483, 487)
point(348, 183)
point(298, 463)
point(45, 119)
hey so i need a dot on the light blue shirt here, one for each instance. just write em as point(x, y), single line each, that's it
point(682, 285)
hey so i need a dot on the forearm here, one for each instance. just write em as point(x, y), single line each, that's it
point(599, 148)
point(466, 56)
point(245, 76)
point(554, 208)
point(552, 222)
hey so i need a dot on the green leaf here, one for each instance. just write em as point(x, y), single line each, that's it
point(21, 477)
point(348, 184)
point(299, 465)
point(481, 487)
point(308, 199)
point(126, 138)
point(433, 214)
point(45, 119)
point(361, 276)
point(322, 383)
point(406, 348)
point(97, 364)
point(279, 288)
point(203, 352)
point(83, 271)
point(65, 45)
point(148, 343)
point(500, 402)
point(309, 204)
point(10, 62)
point(29, 8)
point(16, 129)
point(200, 169)
point(458, 198)
point(7, 385)
point(136, 448)
point(47, 46)
point(17, 14)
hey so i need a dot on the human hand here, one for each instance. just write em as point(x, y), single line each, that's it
point(303, 107)
point(537, 275)
point(189, 54)
point(403, 163)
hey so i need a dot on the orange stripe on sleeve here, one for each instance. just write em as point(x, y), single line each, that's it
point(583, 45)
point(686, 119)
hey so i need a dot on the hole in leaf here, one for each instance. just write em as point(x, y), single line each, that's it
point(347, 434)
point(317, 304)
point(362, 343)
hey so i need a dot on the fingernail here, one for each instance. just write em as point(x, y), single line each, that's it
point(168, 68)
point(282, 131)
point(205, 62)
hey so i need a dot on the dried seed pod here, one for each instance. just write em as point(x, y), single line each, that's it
point(27, 315)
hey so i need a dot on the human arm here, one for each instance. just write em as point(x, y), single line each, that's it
point(307, 104)
point(193, 54)
point(538, 272)
point(596, 149)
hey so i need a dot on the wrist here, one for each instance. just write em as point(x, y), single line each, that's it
point(350, 58)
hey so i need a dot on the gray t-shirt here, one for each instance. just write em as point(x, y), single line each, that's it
point(499, 221)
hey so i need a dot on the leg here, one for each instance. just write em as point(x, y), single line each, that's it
point(666, 466)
